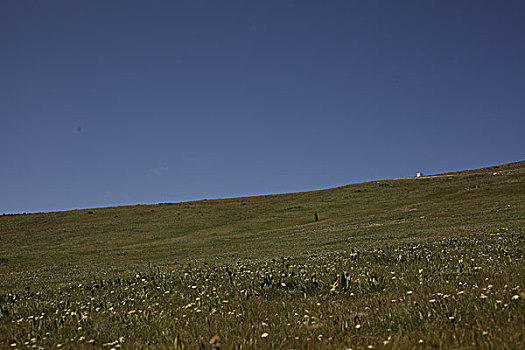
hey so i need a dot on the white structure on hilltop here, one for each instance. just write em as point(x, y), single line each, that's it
point(419, 174)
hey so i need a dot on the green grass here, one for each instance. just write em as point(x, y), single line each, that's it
point(434, 262)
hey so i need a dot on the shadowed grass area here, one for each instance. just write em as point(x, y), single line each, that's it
point(433, 236)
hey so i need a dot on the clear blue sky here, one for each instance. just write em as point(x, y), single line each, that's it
point(107, 103)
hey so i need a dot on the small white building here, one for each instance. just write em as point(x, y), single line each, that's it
point(419, 174)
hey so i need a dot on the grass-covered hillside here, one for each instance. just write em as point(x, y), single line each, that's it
point(432, 262)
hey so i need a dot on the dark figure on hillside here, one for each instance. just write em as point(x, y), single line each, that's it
point(316, 218)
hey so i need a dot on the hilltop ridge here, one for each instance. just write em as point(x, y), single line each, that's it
point(470, 201)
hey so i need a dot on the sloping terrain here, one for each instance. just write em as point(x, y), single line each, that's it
point(475, 201)
point(435, 261)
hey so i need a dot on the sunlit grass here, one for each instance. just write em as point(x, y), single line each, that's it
point(431, 263)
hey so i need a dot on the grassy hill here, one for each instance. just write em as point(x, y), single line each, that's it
point(420, 229)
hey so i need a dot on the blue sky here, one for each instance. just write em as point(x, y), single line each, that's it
point(107, 103)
